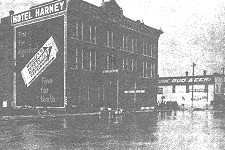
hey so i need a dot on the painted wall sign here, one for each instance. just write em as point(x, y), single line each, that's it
point(186, 80)
point(41, 60)
point(40, 11)
point(39, 53)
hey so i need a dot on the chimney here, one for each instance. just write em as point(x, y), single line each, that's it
point(186, 73)
point(103, 3)
point(11, 12)
point(204, 72)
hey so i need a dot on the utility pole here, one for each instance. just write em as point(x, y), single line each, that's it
point(192, 91)
point(223, 83)
point(223, 80)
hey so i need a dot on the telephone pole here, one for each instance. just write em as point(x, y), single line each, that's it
point(223, 80)
point(192, 91)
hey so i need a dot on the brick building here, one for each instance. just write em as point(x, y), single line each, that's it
point(106, 59)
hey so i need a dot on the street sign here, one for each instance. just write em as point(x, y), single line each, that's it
point(133, 91)
point(41, 60)
point(197, 90)
point(110, 71)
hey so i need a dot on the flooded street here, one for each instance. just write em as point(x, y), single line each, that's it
point(172, 130)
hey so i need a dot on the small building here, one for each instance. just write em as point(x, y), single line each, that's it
point(203, 91)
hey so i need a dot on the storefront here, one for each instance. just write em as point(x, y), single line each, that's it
point(198, 91)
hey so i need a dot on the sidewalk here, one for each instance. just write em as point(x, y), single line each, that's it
point(45, 115)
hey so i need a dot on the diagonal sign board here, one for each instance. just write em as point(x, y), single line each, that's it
point(40, 61)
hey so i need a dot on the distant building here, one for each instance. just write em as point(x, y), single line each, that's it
point(101, 58)
point(207, 90)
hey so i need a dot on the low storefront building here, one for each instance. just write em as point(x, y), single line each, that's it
point(192, 91)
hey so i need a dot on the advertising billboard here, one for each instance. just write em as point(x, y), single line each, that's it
point(39, 52)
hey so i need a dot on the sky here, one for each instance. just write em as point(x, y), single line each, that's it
point(194, 30)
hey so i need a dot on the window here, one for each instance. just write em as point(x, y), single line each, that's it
point(86, 32)
point(78, 30)
point(82, 59)
point(107, 36)
point(132, 45)
point(217, 88)
point(93, 60)
point(86, 59)
point(143, 48)
point(146, 48)
point(146, 69)
point(112, 61)
point(93, 34)
point(112, 40)
point(153, 70)
point(90, 35)
point(125, 46)
point(75, 32)
point(140, 69)
point(132, 65)
point(107, 60)
point(151, 49)
point(143, 69)
point(123, 64)
point(126, 64)
point(154, 50)
point(150, 70)
point(136, 45)
point(76, 58)
point(81, 32)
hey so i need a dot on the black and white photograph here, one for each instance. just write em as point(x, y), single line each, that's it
point(112, 75)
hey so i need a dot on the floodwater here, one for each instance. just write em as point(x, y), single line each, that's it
point(188, 130)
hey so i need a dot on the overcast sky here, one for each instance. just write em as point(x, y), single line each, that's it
point(193, 30)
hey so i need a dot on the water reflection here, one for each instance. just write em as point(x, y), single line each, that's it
point(162, 130)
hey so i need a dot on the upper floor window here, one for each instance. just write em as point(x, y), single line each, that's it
point(132, 44)
point(78, 30)
point(93, 34)
point(125, 44)
point(217, 88)
point(84, 31)
point(109, 42)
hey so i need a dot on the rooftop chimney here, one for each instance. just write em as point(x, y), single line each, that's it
point(11, 12)
point(103, 3)
point(204, 72)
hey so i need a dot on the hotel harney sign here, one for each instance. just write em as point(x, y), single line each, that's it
point(41, 11)
point(185, 80)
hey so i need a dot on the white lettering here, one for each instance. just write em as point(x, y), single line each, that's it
point(37, 13)
point(56, 7)
point(46, 81)
point(42, 12)
point(61, 4)
point(26, 16)
point(51, 9)
point(46, 10)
